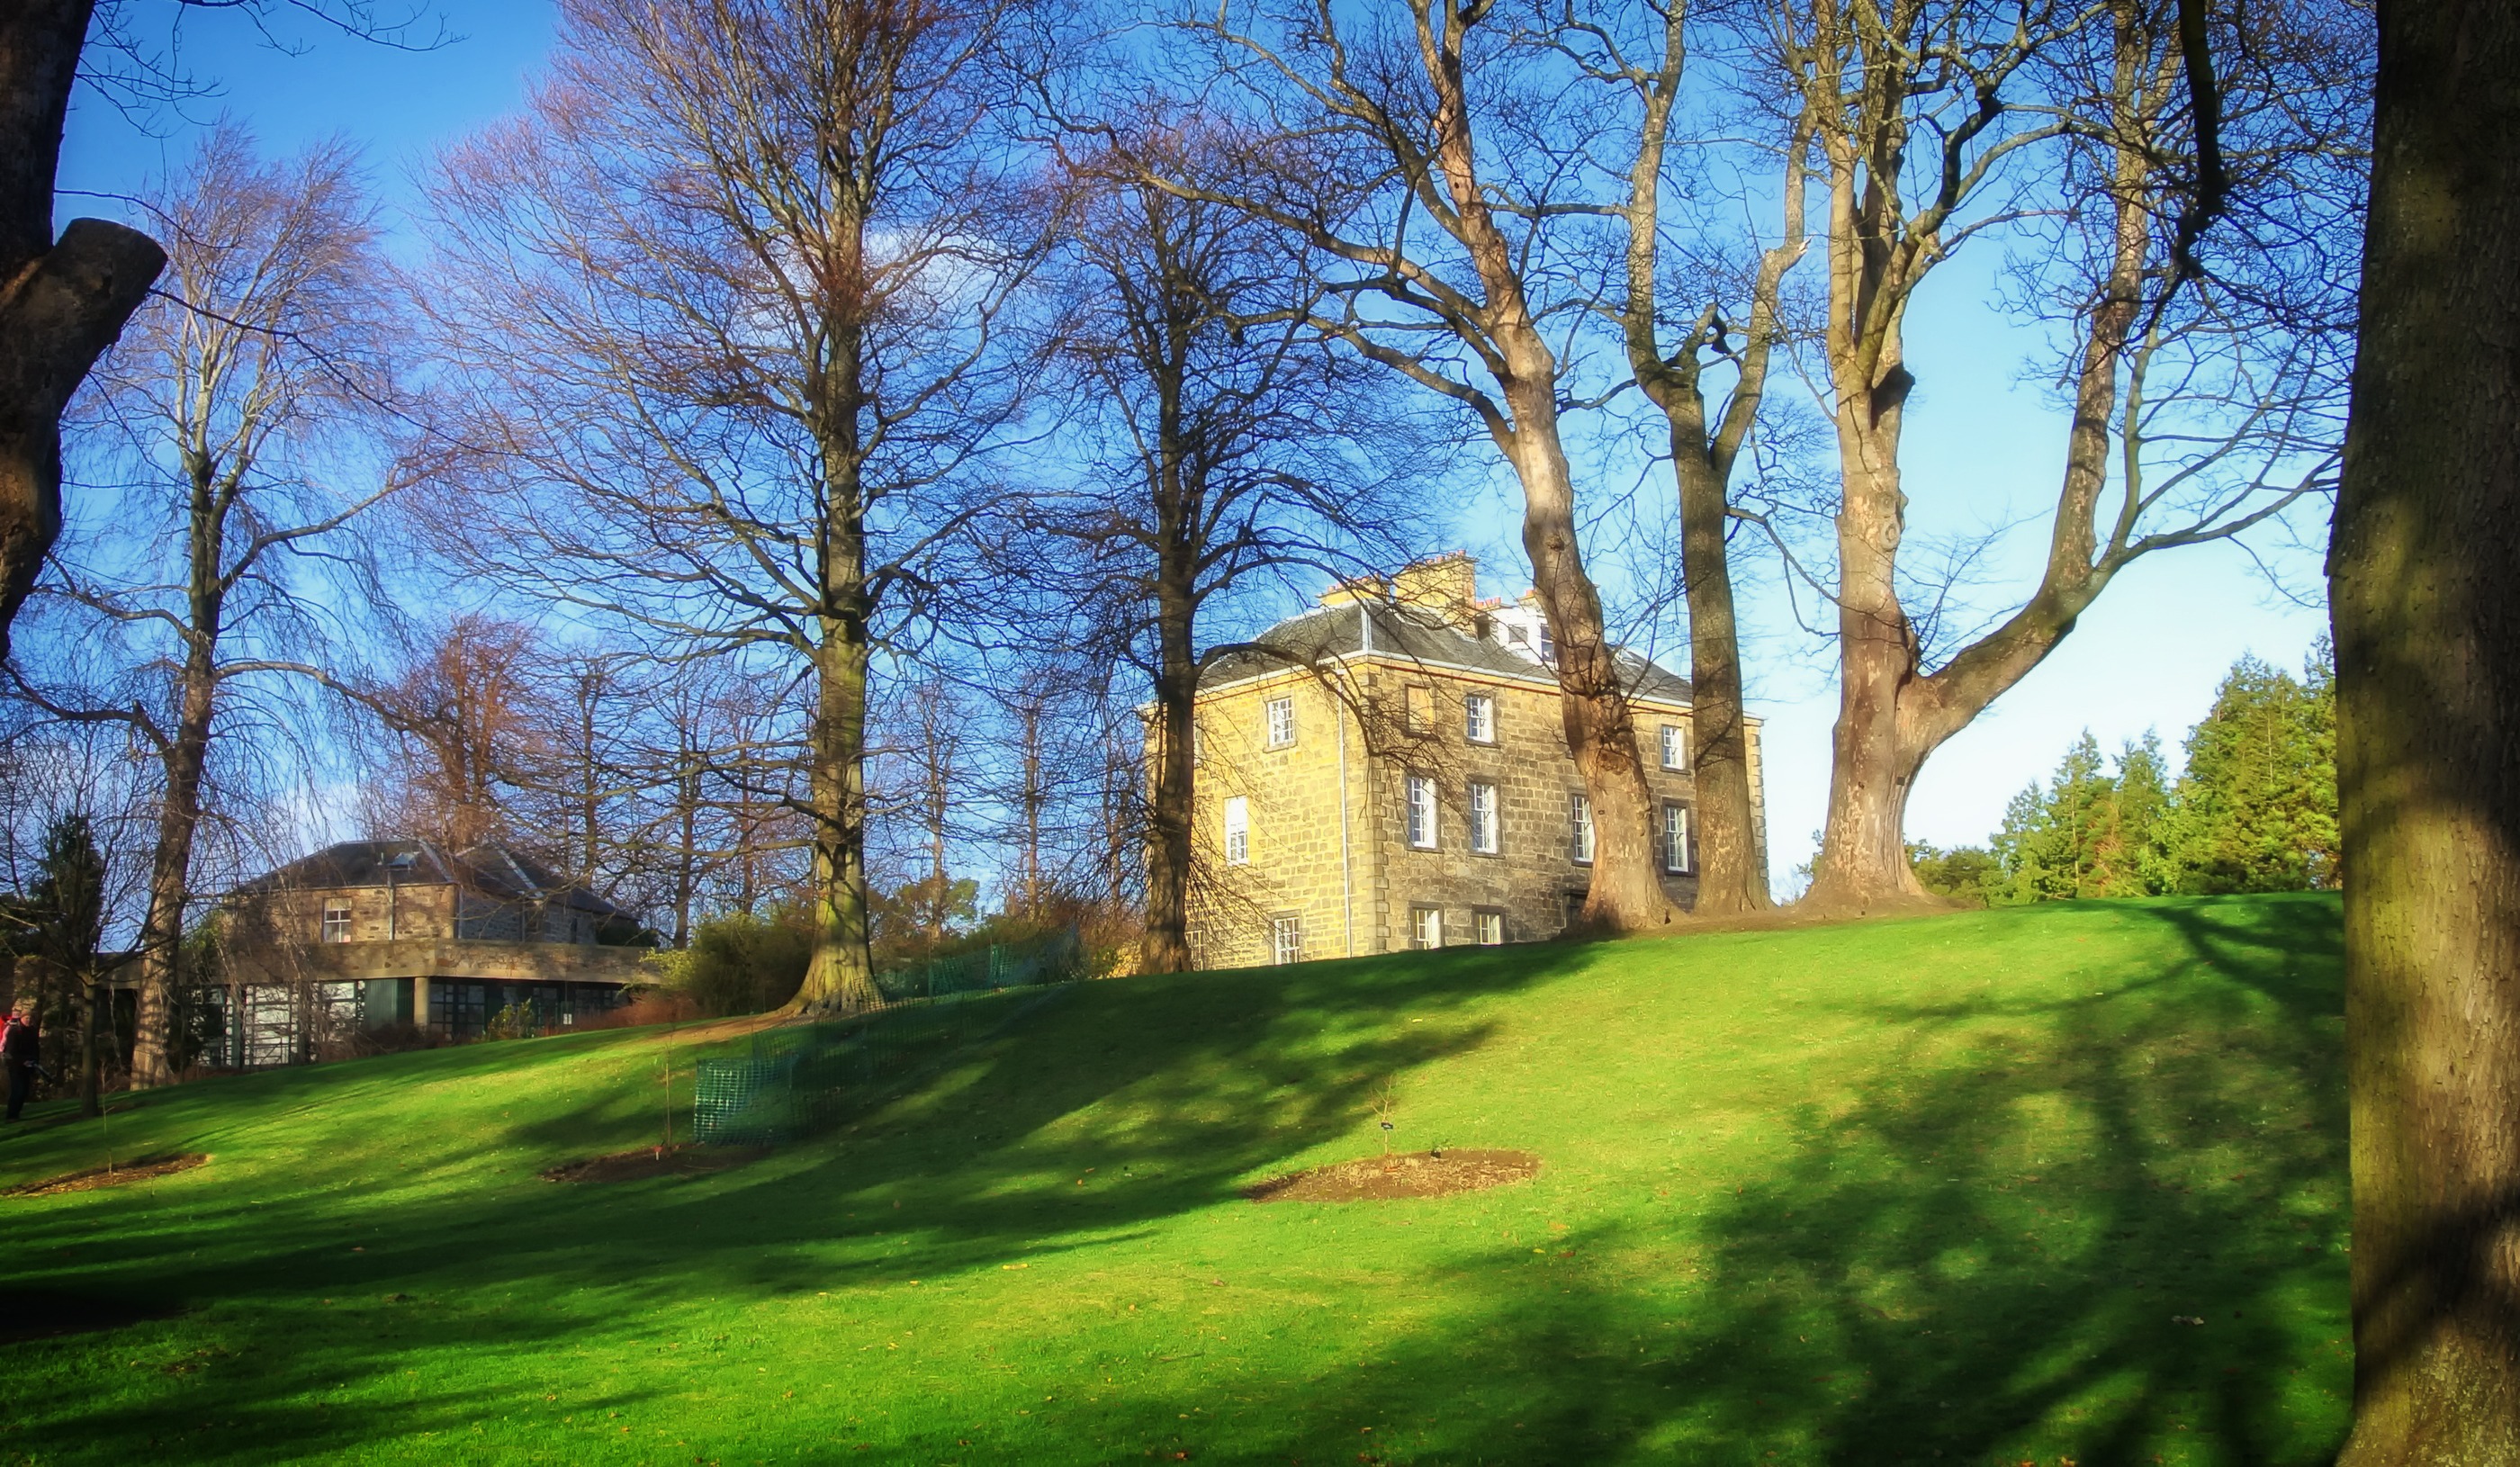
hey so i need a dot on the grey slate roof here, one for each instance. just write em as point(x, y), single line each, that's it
point(1411, 634)
point(492, 869)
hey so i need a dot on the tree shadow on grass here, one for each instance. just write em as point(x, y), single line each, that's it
point(1993, 1259)
point(1989, 1247)
point(1162, 1094)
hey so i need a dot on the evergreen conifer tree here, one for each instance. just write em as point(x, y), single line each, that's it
point(2256, 808)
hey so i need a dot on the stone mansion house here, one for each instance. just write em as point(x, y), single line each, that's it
point(1389, 770)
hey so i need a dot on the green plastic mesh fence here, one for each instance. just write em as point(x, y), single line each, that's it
point(1055, 958)
point(788, 1085)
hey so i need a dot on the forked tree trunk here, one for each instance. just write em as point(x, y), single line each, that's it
point(1893, 714)
point(1732, 870)
point(1165, 947)
point(1863, 863)
point(2424, 566)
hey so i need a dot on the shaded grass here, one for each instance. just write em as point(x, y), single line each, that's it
point(1930, 1190)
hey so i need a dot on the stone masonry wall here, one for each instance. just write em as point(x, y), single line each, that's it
point(418, 911)
point(1296, 796)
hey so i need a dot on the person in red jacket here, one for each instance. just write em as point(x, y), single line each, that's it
point(20, 1053)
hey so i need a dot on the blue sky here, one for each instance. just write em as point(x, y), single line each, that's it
point(1982, 448)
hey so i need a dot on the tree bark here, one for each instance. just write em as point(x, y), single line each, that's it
point(1626, 894)
point(1732, 871)
point(62, 303)
point(1892, 713)
point(2424, 566)
point(170, 884)
point(1863, 863)
point(841, 974)
point(1165, 947)
point(841, 977)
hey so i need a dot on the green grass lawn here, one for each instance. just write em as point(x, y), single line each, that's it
point(1928, 1190)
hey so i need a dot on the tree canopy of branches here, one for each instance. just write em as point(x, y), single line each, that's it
point(725, 313)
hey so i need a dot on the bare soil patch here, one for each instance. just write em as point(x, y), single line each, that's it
point(656, 1161)
point(1414, 1173)
point(142, 1170)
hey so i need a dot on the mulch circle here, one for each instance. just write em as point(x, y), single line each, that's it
point(1415, 1173)
point(656, 1161)
point(142, 1170)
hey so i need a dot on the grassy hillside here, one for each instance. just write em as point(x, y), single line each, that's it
point(1929, 1190)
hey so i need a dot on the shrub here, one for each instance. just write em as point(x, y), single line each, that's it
point(742, 964)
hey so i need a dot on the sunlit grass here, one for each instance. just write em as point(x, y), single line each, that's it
point(1927, 1190)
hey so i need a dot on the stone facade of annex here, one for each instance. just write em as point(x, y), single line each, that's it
point(1352, 798)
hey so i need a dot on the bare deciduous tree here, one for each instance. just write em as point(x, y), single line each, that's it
point(466, 719)
point(2207, 407)
point(1412, 156)
point(64, 301)
point(724, 310)
point(248, 406)
point(1228, 447)
point(1641, 52)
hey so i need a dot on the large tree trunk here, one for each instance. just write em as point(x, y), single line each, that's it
point(1626, 893)
point(1863, 863)
point(1165, 947)
point(841, 975)
point(62, 303)
point(2425, 567)
point(1893, 715)
point(1732, 875)
point(170, 871)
